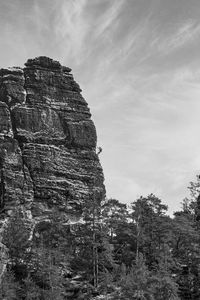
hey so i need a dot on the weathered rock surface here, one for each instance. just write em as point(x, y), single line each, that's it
point(48, 154)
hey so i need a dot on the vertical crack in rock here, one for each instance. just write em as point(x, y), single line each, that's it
point(2, 186)
point(26, 174)
point(16, 189)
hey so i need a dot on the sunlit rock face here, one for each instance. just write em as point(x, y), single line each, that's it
point(48, 154)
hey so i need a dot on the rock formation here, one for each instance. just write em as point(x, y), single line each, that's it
point(48, 154)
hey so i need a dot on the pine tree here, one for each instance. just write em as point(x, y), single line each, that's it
point(162, 281)
point(31, 290)
point(9, 288)
point(152, 226)
point(135, 280)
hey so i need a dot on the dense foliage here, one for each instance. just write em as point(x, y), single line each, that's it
point(117, 252)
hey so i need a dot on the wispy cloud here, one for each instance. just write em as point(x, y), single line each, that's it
point(79, 32)
point(108, 18)
point(186, 33)
point(71, 28)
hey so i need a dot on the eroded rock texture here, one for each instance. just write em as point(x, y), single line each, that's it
point(48, 154)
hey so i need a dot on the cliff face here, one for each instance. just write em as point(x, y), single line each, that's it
point(48, 154)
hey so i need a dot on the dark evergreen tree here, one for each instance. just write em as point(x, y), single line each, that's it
point(152, 227)
point(9, 287)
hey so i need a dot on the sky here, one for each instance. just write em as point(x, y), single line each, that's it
point(138, 64)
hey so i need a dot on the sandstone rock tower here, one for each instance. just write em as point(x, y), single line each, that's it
point(48, 154)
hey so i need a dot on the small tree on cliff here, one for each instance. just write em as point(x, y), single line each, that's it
point(16, 237)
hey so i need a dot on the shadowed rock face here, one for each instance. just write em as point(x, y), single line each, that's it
point(48, 154)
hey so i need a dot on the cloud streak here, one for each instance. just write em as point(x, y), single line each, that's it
point(106, 21)
point(186, 33)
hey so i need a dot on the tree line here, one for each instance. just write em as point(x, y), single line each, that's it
point(118, 251)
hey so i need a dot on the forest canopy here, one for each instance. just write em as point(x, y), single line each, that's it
point(122, 251)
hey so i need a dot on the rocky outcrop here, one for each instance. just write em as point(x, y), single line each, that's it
point(48, 154)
